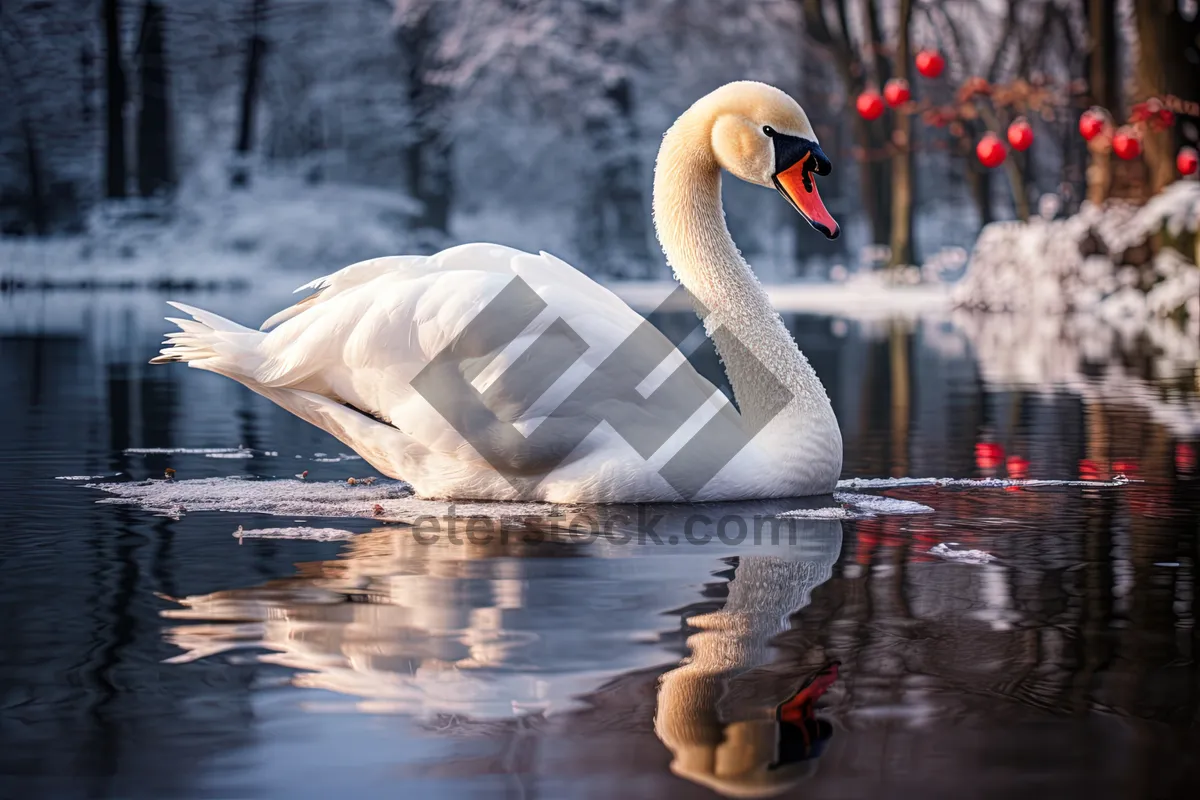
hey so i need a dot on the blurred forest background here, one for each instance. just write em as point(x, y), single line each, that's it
point(308, 134)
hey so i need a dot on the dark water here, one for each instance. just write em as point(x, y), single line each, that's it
point(148, 656)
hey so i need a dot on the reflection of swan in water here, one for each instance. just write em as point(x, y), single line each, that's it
point(495, 630)
point(718, 742)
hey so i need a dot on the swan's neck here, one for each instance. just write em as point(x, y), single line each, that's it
point(749, 335)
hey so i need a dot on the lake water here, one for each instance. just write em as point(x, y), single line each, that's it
point(160, 655)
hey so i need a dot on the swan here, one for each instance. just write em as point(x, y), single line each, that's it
point(488, 373)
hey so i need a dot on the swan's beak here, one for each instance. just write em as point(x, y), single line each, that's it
point(796, 183)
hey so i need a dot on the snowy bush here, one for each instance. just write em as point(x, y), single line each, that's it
point(1098, 261)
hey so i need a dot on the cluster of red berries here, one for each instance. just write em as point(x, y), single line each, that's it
point(1125, 141)
point(930, 63)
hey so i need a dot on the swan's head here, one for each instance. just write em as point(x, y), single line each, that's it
point(763, 136)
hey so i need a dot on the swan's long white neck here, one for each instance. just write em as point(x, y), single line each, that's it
point(746, 330)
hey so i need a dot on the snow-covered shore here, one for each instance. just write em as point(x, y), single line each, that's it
point(867, 296)
point(212, 237)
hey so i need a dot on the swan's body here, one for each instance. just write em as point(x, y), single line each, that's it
point(345, 358)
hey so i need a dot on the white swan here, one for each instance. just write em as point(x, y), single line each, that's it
point(498, 415)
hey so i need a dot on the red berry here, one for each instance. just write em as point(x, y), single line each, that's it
point(896, 92)
point(1020, 134)
point(990, 151)
point(1092, 123)
point(1126, 144)
point(1187, 161)
point(869, 105)
point(930, 63)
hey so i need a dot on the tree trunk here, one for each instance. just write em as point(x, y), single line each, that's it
point(429, 151)
point(37, 210)
point(879, 198)
point(1105, 89)
point(979, 178)
point(1165, 38)
point(1103, 79)
point(1157, 146)
point(256, 49)
point(114, 87)
point(902, 178)
point(155, 174)
point(86, 82)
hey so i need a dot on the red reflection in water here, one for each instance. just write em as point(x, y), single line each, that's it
point(1185, 458)
point(989, 456)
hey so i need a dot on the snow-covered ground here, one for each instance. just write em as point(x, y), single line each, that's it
point(215, 237)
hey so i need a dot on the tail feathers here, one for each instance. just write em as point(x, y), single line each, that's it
point(209, 341)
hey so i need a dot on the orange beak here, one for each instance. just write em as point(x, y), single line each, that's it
point(796, 183)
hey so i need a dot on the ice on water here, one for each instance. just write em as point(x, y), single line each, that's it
point(393, 500)
point(979, 483)
point(285, 497)
point(861, 506)
point(296, 532)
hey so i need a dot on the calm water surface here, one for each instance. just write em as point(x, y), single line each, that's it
point(151, 656)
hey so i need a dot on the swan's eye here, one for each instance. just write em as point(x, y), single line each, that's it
point(768, 130)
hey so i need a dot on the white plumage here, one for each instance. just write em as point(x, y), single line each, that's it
point(344, 358)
